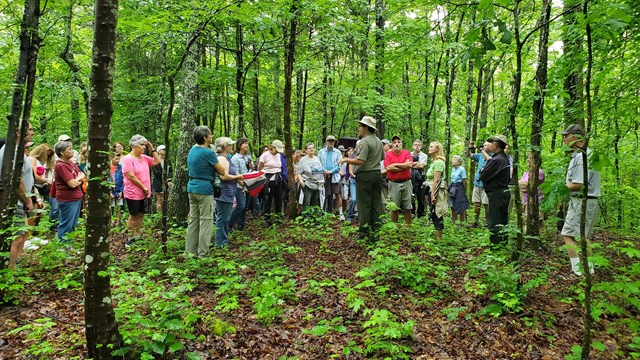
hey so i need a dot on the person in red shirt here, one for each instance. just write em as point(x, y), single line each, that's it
point(68, 184)
point(398, 163)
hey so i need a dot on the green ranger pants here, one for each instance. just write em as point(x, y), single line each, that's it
point(369, 200)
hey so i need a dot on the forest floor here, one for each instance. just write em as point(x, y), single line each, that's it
point(309, 290)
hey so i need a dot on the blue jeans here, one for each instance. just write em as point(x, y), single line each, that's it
point(239, 214)
point(352, 200)
point(54, 214)
point(69, 212)
point(223, 217)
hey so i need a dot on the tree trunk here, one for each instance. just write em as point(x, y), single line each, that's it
point(11, 169)
point(178, 200)
point(290, 47)
point(379, 67)
point(240, 76)
point(304, 108)
point(100, 323)
point(584, 251)
point(573, 56)
point(427, 116)
point(533, 220)
point(407, 92)
point(67, 56)
point(449, 92)
point(513, 109)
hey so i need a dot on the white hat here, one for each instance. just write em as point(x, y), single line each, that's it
point(278, 145)
point(369, 121)
point(161, 147)
point(64, 137)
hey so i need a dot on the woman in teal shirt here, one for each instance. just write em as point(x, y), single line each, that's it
point(203, 164)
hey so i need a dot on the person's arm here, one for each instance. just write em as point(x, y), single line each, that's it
point(34, 165)
point(336, 166)
point(485, 154)
point(464, 184)
point(354, 161)
point(437, 175)
point(134, 179)
point(22, 194)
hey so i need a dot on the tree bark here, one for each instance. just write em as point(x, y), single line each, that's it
point(533, 220)
point(584, 251)
point(573, 58)
point(178, 200)
point(100, 323)
point(379, 67)
point(240, 76)
point(513, 109)
point(290, 48)
point(11, 165)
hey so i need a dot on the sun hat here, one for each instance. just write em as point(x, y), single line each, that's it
point(368, 121)
point(499, 137)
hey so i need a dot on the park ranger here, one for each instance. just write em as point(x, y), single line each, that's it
point(366, 167)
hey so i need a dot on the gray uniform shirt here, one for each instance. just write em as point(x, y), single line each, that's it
point(575, 174)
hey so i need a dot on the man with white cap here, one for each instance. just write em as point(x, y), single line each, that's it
point(573, 136)
point(366, 165)
point(329, 157)
point(495, 177)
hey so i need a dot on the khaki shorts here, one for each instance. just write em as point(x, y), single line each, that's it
point(574, 212)
point(400, 194)
point(479, 195)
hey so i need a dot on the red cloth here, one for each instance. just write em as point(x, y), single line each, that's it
point(65, 171)
point(392, 158)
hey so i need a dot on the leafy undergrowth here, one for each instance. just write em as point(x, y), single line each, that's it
point(309, 289)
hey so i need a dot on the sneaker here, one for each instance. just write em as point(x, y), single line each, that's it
point(342, 218)
point(130, 242)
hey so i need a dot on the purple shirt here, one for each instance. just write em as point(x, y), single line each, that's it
point(525, 178)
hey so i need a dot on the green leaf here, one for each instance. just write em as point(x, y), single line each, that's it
point(175, 347)
point(507, 37)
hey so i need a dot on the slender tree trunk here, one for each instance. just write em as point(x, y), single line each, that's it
point(178, 200)
point(325, 95)
point(379, 66)
point(240, 76)
point(533, 220)
point(304, 108)
point(288, 74)
point(100, 323)
point(67, 56)
point(11, 165)
point(256, 105)
point(427, 117)
point(34, 47)
point(616, 145)
point(449, 92)
point(584, 251)
point(407, 92)
point(513, 109)
point(573, 56)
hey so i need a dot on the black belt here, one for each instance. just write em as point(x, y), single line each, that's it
point(399, 181)
point(582, 197)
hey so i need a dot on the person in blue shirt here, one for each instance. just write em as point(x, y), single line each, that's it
point(329, 157)
point(479, 197)
point(202, 163)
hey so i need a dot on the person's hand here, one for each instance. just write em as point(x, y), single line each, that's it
point(149, 146)
point(327, 172)
point(39, 204)
point(433, 199)
point(147, 192)
point(28, 204)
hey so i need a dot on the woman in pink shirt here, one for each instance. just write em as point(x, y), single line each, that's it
point(137, 183)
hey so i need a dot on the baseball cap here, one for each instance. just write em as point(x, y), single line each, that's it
point(396, 137)
point(573, 129)
point(330, 138)
point(161, 147)
point(341, 148)
point(64, 137)
point(386, 141)
point(278, 145)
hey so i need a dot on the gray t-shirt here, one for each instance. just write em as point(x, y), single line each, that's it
point(27, 173)
point(311, 170)
point(575, 174)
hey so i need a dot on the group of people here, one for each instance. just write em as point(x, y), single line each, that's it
point(359, 181)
